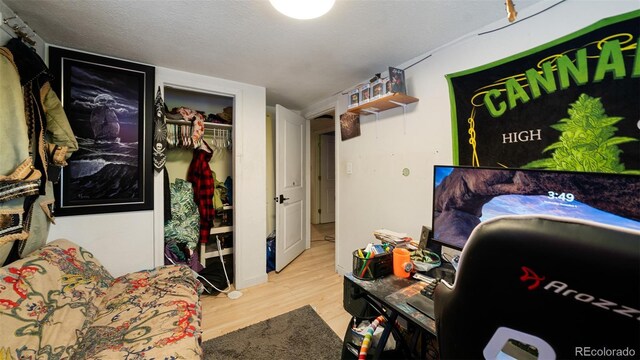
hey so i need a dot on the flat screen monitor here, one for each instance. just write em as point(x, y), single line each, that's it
point(463, 197)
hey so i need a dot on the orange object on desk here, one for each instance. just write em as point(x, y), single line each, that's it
point(402, 263)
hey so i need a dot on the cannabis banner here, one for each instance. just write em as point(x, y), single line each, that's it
point(572, 104)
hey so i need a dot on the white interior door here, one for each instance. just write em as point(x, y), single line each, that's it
point(328, 178)
point(290, 186)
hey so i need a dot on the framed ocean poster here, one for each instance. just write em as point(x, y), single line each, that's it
point(109, 103)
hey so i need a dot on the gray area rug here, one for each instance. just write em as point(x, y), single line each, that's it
point(298, 334)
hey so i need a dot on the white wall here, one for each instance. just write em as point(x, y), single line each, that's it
point(377, 195)
point(122, 242)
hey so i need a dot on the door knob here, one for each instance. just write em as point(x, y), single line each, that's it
point(281, 199)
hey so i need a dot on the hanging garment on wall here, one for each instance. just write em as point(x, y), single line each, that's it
point(201, 176)
point(48, 125)
point(36, 137)
point(18, 177)
point(159, 134)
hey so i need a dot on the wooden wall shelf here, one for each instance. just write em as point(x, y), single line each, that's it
point(384, 103)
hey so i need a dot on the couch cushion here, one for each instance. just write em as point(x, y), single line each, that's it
point(148, 314)
point(48, 298)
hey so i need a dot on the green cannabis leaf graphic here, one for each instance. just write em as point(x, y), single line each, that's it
point(587, 142)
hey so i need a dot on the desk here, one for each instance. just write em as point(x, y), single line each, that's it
point(388, 296)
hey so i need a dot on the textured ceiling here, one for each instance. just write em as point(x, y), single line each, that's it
point(298, 61)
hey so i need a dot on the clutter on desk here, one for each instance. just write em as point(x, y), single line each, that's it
point(373, 261)
point(397, 254)
point(425, 260)
point(399, 240)
point(422, 277)
point(402, 265)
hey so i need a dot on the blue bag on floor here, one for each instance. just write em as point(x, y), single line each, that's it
point(271, 252)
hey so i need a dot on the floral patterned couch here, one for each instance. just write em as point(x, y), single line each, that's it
point(59, 302)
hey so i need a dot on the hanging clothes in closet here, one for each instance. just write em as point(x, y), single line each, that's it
point(181, 232)
point(186, 133)
point(201, 176)
point(185, 129)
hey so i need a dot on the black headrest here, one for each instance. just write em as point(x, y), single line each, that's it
point(571, 283)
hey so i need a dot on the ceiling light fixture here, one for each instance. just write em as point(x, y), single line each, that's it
point(303, 9)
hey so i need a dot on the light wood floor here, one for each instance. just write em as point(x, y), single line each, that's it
point(308, 280)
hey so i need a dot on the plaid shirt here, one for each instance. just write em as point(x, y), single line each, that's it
point(201, 176)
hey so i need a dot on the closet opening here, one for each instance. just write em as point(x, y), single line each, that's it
point(200, 160)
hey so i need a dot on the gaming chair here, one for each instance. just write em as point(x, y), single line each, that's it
point(567, 287)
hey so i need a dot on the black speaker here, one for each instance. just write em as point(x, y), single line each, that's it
point(426, 241)
point(424, 237)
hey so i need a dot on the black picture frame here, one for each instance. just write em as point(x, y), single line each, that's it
point(109, 104)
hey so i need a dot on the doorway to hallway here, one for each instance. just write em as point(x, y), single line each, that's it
point(322, 169)
point(323, 180)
